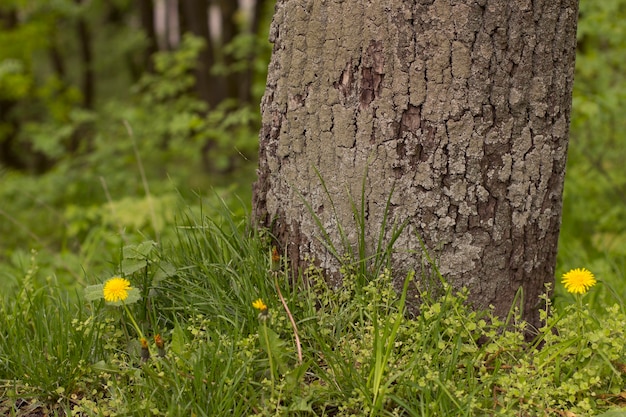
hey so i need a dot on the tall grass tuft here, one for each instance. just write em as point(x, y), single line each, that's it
point(48, 341)
point(222, 267)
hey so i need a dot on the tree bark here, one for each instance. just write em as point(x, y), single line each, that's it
point(461, 107)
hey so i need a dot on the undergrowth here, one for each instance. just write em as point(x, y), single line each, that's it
point(305, 350)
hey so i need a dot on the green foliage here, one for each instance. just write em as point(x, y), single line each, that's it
point(594, 227)
point(40, 328)
point(102, 210)
point(208, 352)
point(14, 83)
point(161, 132)
point(224, 270)
point(113, 174)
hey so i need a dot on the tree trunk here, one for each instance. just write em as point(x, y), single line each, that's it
point(247, 77)
point(461, 107)
point(86, 57)
point(228, 12)
point(9, 124)
point(146, 14)
point(196, 18)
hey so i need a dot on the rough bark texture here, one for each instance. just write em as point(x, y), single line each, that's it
point(462, 106)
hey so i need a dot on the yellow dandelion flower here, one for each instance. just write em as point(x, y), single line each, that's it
point(262, 307)
point(259, 305)
point(116, 289)
point(578, 281)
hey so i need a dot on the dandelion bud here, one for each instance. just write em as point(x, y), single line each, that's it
point(158, 341)
point(145, 351)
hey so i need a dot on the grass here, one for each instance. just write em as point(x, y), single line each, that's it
point(349, 351)
point(352, 351)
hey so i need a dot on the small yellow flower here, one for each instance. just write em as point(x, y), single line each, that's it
point(259, 305)
point(116, 289)
point(264, 314)
point(578, 281)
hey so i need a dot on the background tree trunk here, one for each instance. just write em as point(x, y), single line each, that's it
point(462, 107)
point(146, 14)
point(228, 12)
point(196, 20)
point(259, 8)
point(88, 82)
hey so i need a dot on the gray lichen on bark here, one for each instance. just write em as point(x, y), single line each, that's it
point(461, 106)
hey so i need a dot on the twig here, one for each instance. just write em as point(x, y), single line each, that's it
point(293, 322)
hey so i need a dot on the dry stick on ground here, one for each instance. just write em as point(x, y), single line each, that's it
point(293, 322)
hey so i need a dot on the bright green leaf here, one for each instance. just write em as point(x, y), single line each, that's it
point(132, 265)
point(94, 292)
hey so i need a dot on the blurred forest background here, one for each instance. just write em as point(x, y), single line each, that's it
point(118, 116)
